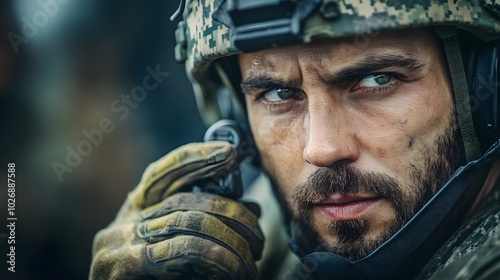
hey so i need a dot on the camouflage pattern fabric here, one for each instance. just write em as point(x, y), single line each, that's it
point(208, 39)
point(473, 252)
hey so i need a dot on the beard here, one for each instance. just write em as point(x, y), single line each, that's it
point(426, 177)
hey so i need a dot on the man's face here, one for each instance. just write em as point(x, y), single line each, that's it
point(355, 138)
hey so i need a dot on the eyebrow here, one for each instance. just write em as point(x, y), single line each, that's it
point(351, 73)
point(374, 64)
point(262, 82)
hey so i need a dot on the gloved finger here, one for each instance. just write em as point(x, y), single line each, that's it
point(123, 263)
point(230, 212)
point(114, 246)
point(192, 257)
point(119, 251)
point(182, 257)
point(182, 167)
point(202, 240)
point(114, 237)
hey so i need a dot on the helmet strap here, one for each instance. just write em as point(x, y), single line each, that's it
point(448, 35)
point(236, 100)
point(225, 79)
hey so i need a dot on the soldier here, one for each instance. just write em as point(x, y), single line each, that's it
point(377, 125)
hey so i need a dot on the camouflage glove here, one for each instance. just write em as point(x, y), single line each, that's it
point(160, 233)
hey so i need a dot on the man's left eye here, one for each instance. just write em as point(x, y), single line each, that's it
point(376, 80)
point(281, 94)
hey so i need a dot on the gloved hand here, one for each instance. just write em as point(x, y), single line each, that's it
point(161, 233)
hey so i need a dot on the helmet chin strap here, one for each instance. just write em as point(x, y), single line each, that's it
point(407, 251)
point(448, 35)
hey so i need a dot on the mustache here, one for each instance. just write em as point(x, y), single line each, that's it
point(342, 179)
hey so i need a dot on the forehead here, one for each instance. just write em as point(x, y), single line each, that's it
point(415, 43)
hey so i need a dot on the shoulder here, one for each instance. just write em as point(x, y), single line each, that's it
point(482, 264)
point(473, 252)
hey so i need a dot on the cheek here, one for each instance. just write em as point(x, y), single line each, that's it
point(280, 143)
point(395, 132)
point(430, 113)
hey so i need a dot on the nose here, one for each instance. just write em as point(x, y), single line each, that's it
point(330, 139)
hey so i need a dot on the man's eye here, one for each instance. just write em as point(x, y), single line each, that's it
point(376, 80)
point(280, 94)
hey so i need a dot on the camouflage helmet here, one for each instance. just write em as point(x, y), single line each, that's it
point(207, 33)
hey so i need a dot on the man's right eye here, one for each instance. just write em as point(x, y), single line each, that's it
point(281, 94)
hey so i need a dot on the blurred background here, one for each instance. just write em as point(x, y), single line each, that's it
point(63, 64)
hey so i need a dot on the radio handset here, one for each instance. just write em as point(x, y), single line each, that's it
point(229, 185)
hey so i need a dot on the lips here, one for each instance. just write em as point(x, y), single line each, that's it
point(346, 207)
